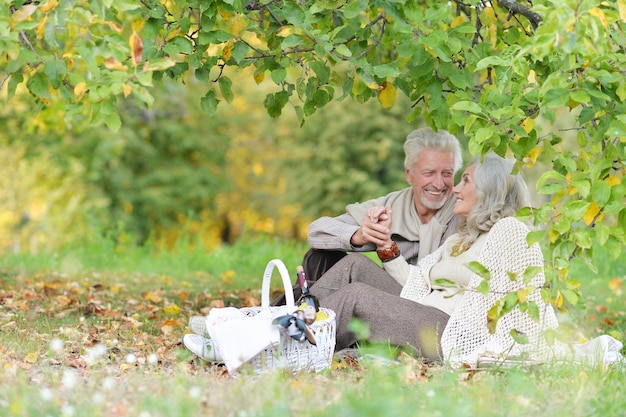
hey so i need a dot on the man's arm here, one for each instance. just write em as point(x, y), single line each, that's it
point(336, 233)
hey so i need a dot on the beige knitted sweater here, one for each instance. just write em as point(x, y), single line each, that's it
point(466, 336)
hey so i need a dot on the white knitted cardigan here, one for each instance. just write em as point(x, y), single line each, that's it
point(466, 336)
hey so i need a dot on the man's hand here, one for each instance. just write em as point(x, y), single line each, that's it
point(375, 228)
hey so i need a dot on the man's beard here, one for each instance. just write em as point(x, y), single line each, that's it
point(432, 205)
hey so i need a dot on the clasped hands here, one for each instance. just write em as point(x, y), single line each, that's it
point(375, 228)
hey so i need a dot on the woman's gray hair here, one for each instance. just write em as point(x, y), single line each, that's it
point(499, 194)
point(426, 138)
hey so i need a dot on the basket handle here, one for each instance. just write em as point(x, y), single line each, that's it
point(267, 276)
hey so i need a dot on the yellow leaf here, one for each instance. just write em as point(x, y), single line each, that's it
point(553, 235)
point(591, 213)
point(23, 13)
point(258, 78)
point(532, 156)
point(237, 25)
point(137, 25)
point(40, 28)
point(152, 296)
point(126, 366)
point(227, 51)
point(225, 15)
point(528, 124)
point(612, 180)
point(258, 169)
point(600, 15)
point(621, 5)
point(173, 34)
point(615, 284)
point(171, 309)
point(458, 21)
point(32, 357)
point(136, 48)
point(48, 6)
point(80, 89)
point(387, 95)
point(284, 31)
point(559, 299)
point(113, 64)
point(127, 89)
point(523, 293)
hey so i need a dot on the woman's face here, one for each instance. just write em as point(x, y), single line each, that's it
point(465, 192)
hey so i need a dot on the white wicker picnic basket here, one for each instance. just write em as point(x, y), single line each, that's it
point(291, 354)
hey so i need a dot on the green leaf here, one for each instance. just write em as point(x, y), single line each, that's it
point(519, 337)
point(343, 50)
point(226, 84)
point(570, 296)
point(274, 103)
point(16, 79)
point(279, 75)
point(386, 70)
point(543, 187)
point(214, 37)
point(601, 192)
point(580, 96)
point(178, 45)
point(445, 283)
point(532, 309)
point(575, 210)
point(510, 301)
point(530, 273)
point(483, 287)
point(113, 121)
point(38, 85)
point(209, 102)
point(468, 106)
point(87, 55)
point(491, 61)
point(479, 269)
point(535, 236)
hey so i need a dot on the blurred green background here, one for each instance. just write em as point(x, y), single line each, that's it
point(173, 172)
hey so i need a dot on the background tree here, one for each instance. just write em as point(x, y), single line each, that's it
point(502, 73)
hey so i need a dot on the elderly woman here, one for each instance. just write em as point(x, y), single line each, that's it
point(441, 306)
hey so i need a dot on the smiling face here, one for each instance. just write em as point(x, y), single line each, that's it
point(465, 192)
point(432, 179)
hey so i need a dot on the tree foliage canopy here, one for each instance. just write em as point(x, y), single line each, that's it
point(543, 82)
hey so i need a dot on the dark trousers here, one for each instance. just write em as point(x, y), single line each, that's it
point(315, 263)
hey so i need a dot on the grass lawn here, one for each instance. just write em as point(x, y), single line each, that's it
point(95, 330)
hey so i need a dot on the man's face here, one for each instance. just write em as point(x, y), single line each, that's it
point(432, 179)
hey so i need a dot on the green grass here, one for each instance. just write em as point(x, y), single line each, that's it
point(56, 308)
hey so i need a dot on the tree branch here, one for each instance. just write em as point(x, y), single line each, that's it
point(515, 8)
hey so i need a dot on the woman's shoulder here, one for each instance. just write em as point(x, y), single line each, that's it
point(510, 224)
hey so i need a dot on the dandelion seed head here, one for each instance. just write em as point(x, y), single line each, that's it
point(69, 379)
point(108, 383)
point(46, 394)
point(195, 392)
point(94, 353)
point(56, 345)
point(98, 398)
point(68, 410)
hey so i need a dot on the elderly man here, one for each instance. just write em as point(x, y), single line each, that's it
point(423, 217)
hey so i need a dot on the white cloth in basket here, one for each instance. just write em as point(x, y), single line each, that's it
point(239, 337)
